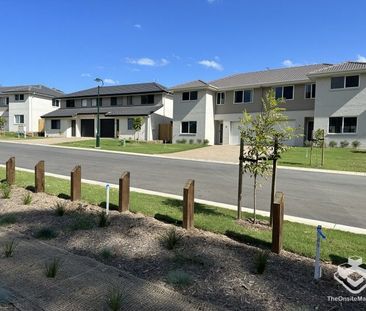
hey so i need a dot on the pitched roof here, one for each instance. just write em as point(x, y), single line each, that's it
point(142, 110)
point(268, 77)
point(138, 88)
point(339, 68)
point(192, 84)
point(37, 89)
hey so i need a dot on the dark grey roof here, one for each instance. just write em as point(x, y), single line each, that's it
point(138, 88)
point(268, 77)
point(37, 89)
point(191, 84)
point(340, 68)
point(141, 110)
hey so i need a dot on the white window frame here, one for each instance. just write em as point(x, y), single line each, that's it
point(344, 83)
point(15, 119)
point(189, 133)
point(342, 132)
point(19, 100)
point(84, 102)
point(55, 103)
point(222, 100)
point(93, 102)
point(189, 97)
point(244, 102)
point(311, 90)
point(283, 87)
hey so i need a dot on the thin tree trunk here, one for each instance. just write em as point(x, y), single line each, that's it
point(255, 198)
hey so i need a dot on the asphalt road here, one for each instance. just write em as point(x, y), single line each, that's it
point(335, 198)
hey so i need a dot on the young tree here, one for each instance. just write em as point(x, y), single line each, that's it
point(2, 124)
point(259, 133)
point(137, 124)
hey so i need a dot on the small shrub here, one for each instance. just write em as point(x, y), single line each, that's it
point(206, 141)
point(5, 190)
point(9, 248)
point(179, 278)
point(82, 222)
point(45, 233)
point(344, 143)
point(191, 141)
point(106, 253)
point(307, 143)
point(7, 220)
point(114, 299)
point(356, 144)
point(60, 208)
point(261, 260)
point(27, 199)
point(103, 220)
point(332, 144)
point(170, 238)
point(199, 141)
point(183, 141)
point(52, 267)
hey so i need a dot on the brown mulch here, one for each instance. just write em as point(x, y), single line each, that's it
point(222, 270)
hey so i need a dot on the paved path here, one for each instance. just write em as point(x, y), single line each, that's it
point(336, 198)
point(81, 284)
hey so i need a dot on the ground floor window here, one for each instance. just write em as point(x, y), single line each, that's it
point(130, 124)
point(19, 119)
point(189, 127)
point(55, 124)
point(339, 125)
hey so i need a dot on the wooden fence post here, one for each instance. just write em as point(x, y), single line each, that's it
point(278, 212)
point(124, 192)
point(188, 205)
point(10, 171)
point(39, 184)
point(76, 183)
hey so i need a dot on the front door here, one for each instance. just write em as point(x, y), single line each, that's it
point(87, 128)
point(73, 128)
point(309, 130)
point(221, 133)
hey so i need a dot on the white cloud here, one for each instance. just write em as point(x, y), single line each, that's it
point(145, 61)
point(361, 59)
point(110, 81)
point(211, 64)
point(86, 75)
point(138, 26)
point(290, 63)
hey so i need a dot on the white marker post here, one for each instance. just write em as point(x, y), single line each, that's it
point(107, 187)
point(318, 269)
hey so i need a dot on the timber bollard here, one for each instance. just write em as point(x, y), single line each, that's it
point(124, 192)
point(278, 212)
point(188, 205)
point(39, 183)
point(76, 183)
point(10, 171)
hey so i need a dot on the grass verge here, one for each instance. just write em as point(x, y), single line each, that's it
point(298, 238)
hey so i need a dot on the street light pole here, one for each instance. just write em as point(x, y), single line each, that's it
point(97, 141)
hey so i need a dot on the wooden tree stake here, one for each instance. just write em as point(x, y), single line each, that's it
point(124, 192)
point(10, 171)
point(188, 205)
point(76, 183)
point(39, 181)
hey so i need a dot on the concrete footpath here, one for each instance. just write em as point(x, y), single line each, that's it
point(81, 284)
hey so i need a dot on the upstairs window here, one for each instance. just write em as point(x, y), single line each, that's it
point(340, 125)
point(4, 101)
point(19, 97)
point(70, 103)
point(285, 92)
point(310, 90)
point(84, 103)
point(94, 102)
point(193, 95)
point(245, 96)
point(113, 101)
point(129, 100)
point(55, 103)
point(344, 82)
point(220, 98)
point(147, 99)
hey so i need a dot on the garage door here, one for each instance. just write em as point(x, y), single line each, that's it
point(234, 133)
point(87, 128)
point(107, 128)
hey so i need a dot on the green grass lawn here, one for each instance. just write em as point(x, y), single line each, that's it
point(14, 136)
point(140, 147)
point(298, 238)
point(342, 159)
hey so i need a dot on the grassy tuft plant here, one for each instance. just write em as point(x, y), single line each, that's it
point(60, 208)
point(27, 198)
point(332, 144)
point(82, 222)
point(45, 233)
point(9, 248)
point(106, 253)
point(103, 220)
point(356, 144)
point(179, 278)
point(7, 220)
point(114, 299)
point(170, 238)
point(261, 260)
point(344, 144)
point(52, 267)
point(5, 190)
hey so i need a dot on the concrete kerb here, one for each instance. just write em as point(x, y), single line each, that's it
point(290, 218)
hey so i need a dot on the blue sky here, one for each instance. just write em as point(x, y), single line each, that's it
point(66, 44)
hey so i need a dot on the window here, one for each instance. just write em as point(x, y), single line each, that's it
point(129, 100)
point(344, 82)
point(4, 101)
point(285, 92)
point(189, 127)
point(70, 103)
point(339, 125)
point(94, 102)
point(245, 96)
point(100, 102)
point(310, 90)
point(220, 98)
point(84, 103)
point(55, 124)
point(55, 103)
point(193, 95)
point(113, 101)
point(19, 119)
point(130, 124)
point(19, 97)
point(147, 99)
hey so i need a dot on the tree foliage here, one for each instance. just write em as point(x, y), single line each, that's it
point(137, 124)
point(2, 123)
